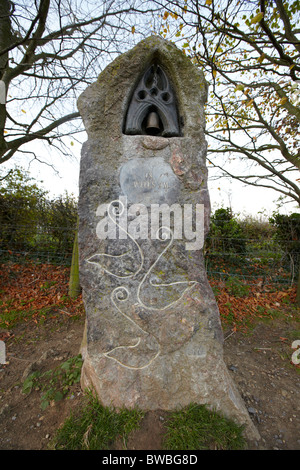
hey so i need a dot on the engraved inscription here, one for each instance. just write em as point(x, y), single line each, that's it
point(149, 181)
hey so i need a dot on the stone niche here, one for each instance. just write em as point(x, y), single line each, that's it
point(153, 336)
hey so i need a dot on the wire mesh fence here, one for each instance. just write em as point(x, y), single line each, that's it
point(262, 261)
point(23, 243)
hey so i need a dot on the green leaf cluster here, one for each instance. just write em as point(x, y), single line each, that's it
point(226, 233)
point(54, 384)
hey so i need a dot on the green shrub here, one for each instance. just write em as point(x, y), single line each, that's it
point(257, 228)
point(226, 234)
point(287, 233)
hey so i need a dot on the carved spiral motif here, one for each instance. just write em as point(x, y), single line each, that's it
point(115, 209)
point(120, 293)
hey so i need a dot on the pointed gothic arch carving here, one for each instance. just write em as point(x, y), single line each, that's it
point(153, 94)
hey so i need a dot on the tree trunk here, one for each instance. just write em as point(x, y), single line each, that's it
point(5, 42)
point(74, 282)
point(5, 33)
point(298, 289)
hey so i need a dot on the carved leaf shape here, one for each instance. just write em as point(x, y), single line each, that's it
point(121, 266)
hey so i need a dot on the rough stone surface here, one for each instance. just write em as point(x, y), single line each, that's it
point(153, 333)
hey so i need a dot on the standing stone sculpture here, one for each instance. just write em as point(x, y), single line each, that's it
point(153, 335)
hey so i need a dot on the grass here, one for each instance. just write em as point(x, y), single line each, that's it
point(294, 334)
point(236, 287)
point(197, 428)
point(95, 427)
point(11, 317)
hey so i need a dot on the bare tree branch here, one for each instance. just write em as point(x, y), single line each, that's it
point(49, 51)
point(249, 51)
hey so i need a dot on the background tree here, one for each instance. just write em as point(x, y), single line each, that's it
point(21, 203)
point(59, 222)
point(31, 223)
point(250, 53)
point(49, 51)
point(287, 233)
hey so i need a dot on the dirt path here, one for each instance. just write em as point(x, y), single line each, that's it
point(269, 384)
point(260, 364)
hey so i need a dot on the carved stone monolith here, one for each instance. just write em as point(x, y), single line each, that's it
point(153, 333)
